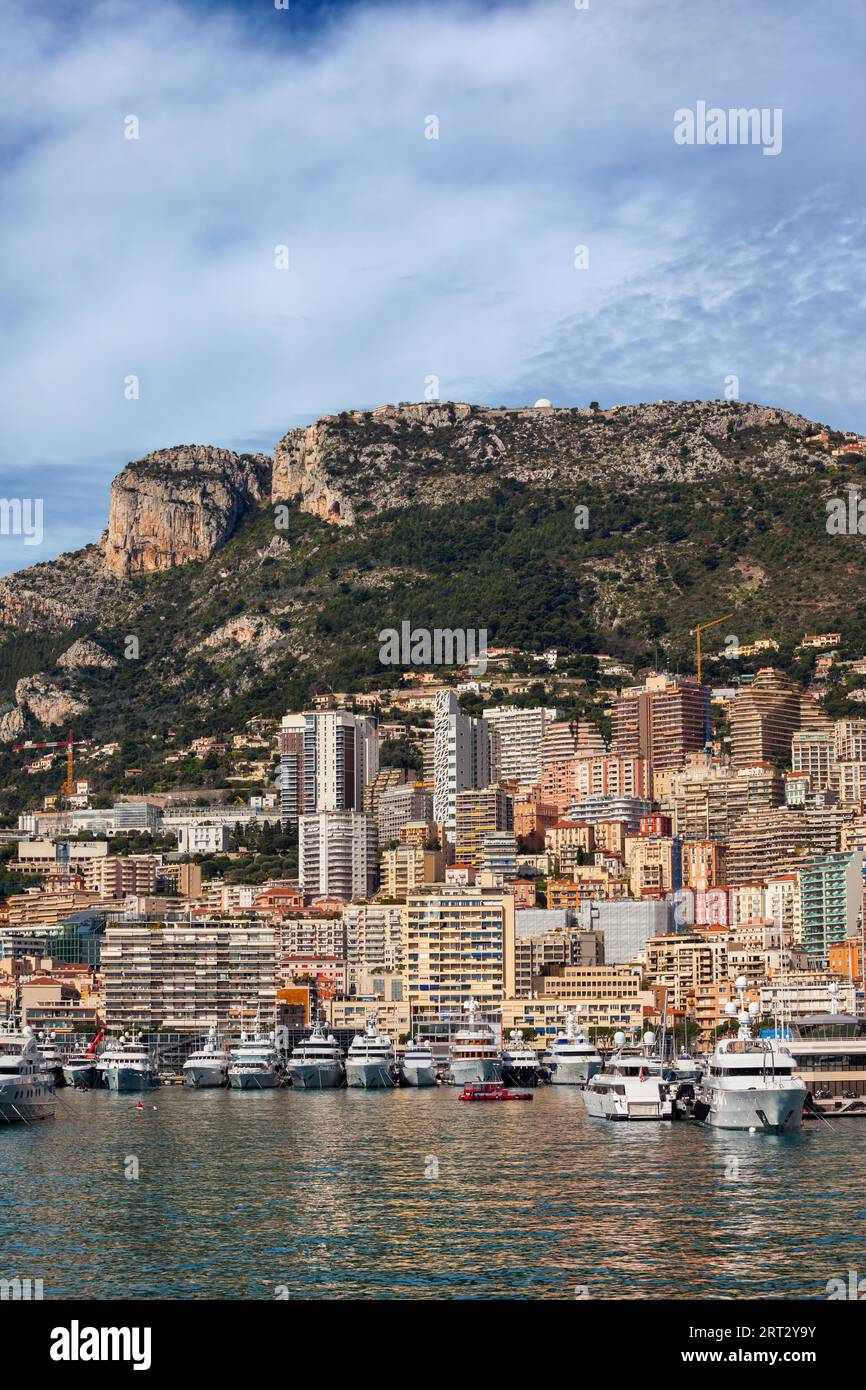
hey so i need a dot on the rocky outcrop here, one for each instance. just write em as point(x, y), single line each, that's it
point(47, 703)
point(12, 724)
point(255, 635)
point(178, 505)
point(439, 453)
point(83, 654)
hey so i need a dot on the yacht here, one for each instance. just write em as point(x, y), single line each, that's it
point(255, 1064)
point(26, 1088)
point(80, 1069)
point(418, 1067)
point(316, 1064)
point(750, 1082)
point(520, 1065)
point(128, 1066)
point(573, 1059)
point(207, 1067)
point(52, 1061)
point(371, 1061)
point(474, 1055)
point(633, 1085)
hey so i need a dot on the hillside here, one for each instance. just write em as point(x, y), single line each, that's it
point(226, 588)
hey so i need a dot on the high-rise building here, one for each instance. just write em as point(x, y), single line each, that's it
point(831, 897)
point(374, 938)
point(327, 758)
point(518, 747)
point(401, 806)
point(459, 944)
point(812, 753)
point(565, 739)
point(663, 721)
point(461, 756)
point(764, 844)
point(708, 798)
point(478, 813)
point(337, 854)
point(764, 718)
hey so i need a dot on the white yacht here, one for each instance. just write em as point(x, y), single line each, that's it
point(128, 1066)
point(474, 1055)
point(316, 1064)
point(573, 1059)
point(255, 1064)
point(418, 1067)
point(750, 1082)
point(520, 1065)
point(80, 1069)
point(371, 1061)
point(52, 1060)
point(631, 1085)
point(207, 1067)
point(26, 1088)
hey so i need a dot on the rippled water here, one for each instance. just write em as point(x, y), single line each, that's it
point(411, 1194)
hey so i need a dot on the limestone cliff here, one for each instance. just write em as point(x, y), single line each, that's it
point(178, 505)
point(439, 453)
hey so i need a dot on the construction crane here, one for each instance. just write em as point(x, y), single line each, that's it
point(702, 627)
point(69, 744)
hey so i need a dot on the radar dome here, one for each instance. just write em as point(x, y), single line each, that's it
point(543, 404)
point(619, 1039)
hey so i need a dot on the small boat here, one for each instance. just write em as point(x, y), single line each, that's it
point(491, 1090)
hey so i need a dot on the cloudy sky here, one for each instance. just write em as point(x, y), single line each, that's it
point(409, 257)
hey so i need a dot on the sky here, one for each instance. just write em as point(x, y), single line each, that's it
point(144, 302)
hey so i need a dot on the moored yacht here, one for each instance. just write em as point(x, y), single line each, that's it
point(316, 1064)
point(573, 1059)
point(520, 1065)
point(631, 1085)
point(750, 1082)
point(207, 1067)
point(128, 1066)
point(371, 1061)
point(255, 1064)
point(418, 1067)
point(80, 1069)
point(52, 1061)
point(473, 1055)
point(26, 1088)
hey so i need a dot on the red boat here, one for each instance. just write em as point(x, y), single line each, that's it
point(491, 1090)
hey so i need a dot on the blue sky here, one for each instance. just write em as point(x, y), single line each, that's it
point(409, 257)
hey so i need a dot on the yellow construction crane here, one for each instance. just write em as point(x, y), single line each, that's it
point(701, 627)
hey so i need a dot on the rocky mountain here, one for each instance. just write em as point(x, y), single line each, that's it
point(229, 585)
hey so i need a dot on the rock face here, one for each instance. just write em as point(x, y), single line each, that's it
point(83, 654)
point(439, 453)
point(47, 703)
point(178, 505)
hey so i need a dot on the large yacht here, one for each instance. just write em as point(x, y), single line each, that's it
point(207, 1067)
point(255, 1064)
point(128, 1066)
point(520, 1065)
point(80, 1068)
point(371, 1060)
point(750, 1082)
point(633, 1085)
point(573, 1059)
point(26, 1088)
point(474, 1055)
point(52, 1060)
point(316, 1064)
point(418, 1067)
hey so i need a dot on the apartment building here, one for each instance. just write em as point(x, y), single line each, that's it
point(565, 740)
point(831, 896)
point(404, 869)
point(313, 934)
point(764, 718)
point(704, 864)
point(518, 743)
point(707, 798)
point(478, 813)
point(327, 758)
point(766, 843)
point(601, 775)
point(402, 805)
point(813, 756)
point(678, 964)
point(461, 756)
point(188, 977)
point(663, 721)
point(374, 938)
point(459, 944)
point(337, 855)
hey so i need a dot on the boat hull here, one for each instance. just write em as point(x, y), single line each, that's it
point(462, 1071)
point(519, 1076)
point(253, 1081)
point(315, 1076)
point(80, 1076)
point(203, 1077)
point(26, 1111)
point(780, 1111)
point(573, 1073)
point(130, 1079)
point(643, 1103)
point(420, 1075)
point(370, 1076)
